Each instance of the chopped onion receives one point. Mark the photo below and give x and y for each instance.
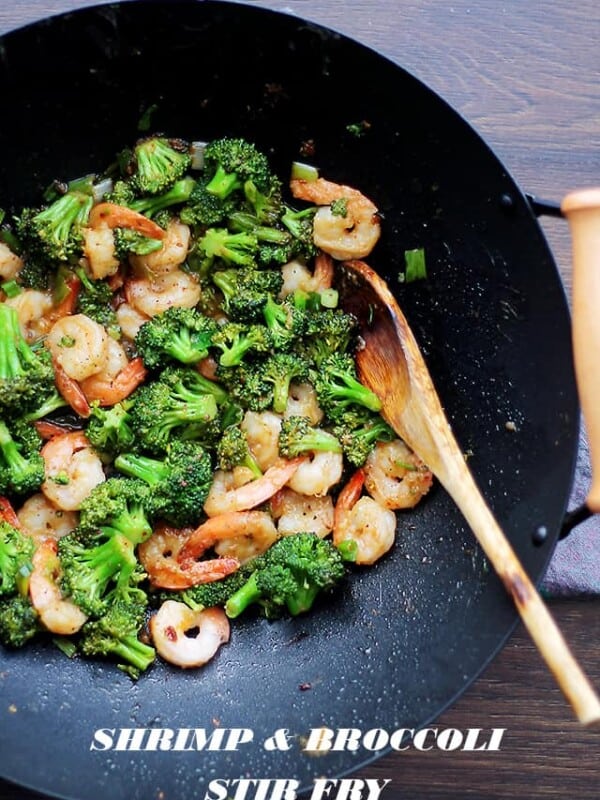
(197, 152)
(101, 188)
(304, 172)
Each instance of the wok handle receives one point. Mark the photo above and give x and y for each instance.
(582, 209)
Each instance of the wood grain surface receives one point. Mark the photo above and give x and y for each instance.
(526, 75)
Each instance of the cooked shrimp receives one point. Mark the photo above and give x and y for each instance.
(172, 254)
(317, 474)
(10, 263)
(159, 557)
(224, 496)
(71, 391)
(7, 513)
(352, 234)
(42, 520)
(78, 345)
(262, 434)
(117, 379)
(296, 513)
(72, 470)
(99, 251)
(188, 638)
(302, 402)
(130, 320)
(395, 476)
(57, 614)
(152, 296)
(31, 307)
(112, 215)
(297, 276)
(241, 535)
(363, 522)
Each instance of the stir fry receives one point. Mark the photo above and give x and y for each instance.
(183, 434)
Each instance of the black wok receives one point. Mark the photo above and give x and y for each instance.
(404, 639)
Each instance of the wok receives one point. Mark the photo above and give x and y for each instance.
(404, 639)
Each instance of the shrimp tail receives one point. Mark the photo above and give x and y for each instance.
(71, 391)
(115, 216)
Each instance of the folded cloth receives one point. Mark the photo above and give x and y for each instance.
(575, 565)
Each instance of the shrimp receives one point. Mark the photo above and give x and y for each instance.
(188, 638)
(57, 614)
(317, 474)
(262, 434)
(241, 535)
(303, 402)
(296, 513)
(172, 254)
(31, 307)
(352, 234)
(10, 263)
(42, 520)
(130, 320)
(72, 470)
(371, 528)
(224, 496)
(159, 557)
(78, 345)
(152, 296)
(117, 380)
(71, 391)
(99, 241)
(395, 477)
(99, 251)
(297, 276)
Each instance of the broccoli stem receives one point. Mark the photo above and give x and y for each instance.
(134, 652)
(150, 470)
(246, 595)
(17, 464)
(223, 183)
(303, 600)
(54, 402)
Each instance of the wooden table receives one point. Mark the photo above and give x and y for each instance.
(527, 76)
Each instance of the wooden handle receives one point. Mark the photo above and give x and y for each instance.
(534, 613)
(582, 209)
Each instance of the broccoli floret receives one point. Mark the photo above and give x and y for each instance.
(338, 387)
(359, 430)
(274, 245)
(298, 436)
(16, 552)
(290, 576)
(234, 340)
(280, 369)
(286, 323)
(326, 332)
(52, 403)
(178, 193)
(179, 484)
(247, 386)
(36, 272)
(116, 507)
(267, 206)
(172, 404)
(94, 299)
(233, 451)
(158, 163)
(204, 208)
(229, 163)
(55, 231)
(116, 634)
(26, 374)
(178, 334)
(22, 469)
(129, 241)
(246, 290)
(219, 244)
(122, 193)
(97, 567)
(300, 225)
(109, 429)
(18, 621)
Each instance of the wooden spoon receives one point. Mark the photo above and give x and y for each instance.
(391, 365)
